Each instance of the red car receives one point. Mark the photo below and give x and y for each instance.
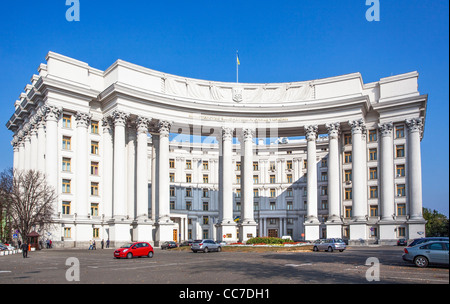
(136, 249)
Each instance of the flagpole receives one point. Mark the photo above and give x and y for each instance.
(237, 68)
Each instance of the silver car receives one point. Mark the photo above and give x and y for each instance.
(329, 245)
(205, 246)
(427, 253)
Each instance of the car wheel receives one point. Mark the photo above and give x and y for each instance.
(421, 261)
(150, 254)
(219, 249)
(330, 249)
(315, 248)
(206, 250)
(341, 250)
(129, 255)
(194, 251)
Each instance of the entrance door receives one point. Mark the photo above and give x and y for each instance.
(273, 232)
(175, 235)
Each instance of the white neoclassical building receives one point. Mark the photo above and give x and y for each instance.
(137, 154)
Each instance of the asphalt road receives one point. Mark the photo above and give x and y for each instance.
(56, 266)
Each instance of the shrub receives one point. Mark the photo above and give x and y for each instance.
(269, 241)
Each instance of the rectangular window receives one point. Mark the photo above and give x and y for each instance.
(399, 132)
(205, 220)
(205, 206)
(94, 127)
(272, 193)
(323, 176)
(188, 178)
(272, 166)
(348, 175)
(205, 178)
(66, 186)
(205, 165)
(67, 233)
(373, 154)
(171, 177)
(172, 191)
(205, 192)
(348, 193)
(273, 206)
(238, 193)
(94, 189)
(373, 191)
(348, 212)
(372, 135)
(67, 121)
(289, 178)
(324, 190)
(401, 209)
(255, 192)
(401, 231)
(94, 209)
(401, 190)
(272, 179)
(347, 139)
(289, 165)
(188, 205)
(66, 164)
(188, 192)
(400, 151)
(238, 166)
(400, 170)
(238, 179)
(171, 163)
(255, 179)
(347, 157)
(255, 166)
(289, 206)
(94, 147)
(289, 192)
(94, 168)
(305, 164)
(205, 233)
(373, 173)
(95, 232)
(373, 210)
(172, 205)
(65, 207)
(188, 164)
(66, 143)
(324, 162)
(324, 204)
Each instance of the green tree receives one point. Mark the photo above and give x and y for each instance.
(437, 223)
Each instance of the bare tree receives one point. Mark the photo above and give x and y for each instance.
(5, 188)
(31, 201)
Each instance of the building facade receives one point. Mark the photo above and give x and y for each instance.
(140, 155)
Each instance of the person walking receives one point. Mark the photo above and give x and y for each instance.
(90, 245)
(25, 250)
(102, 243)
(107, 243)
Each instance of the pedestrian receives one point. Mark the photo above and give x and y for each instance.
(102, 243)
(93, 245)
(25, 250)
(50, 243)
(90, 245)
(107, 243)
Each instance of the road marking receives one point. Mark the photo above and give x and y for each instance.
(4, 271)
(298, 265)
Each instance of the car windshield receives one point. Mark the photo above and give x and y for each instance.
(338, 241)
(198, 241)
(127, 245)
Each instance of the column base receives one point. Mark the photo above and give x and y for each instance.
(312, 231)
(416, 228)
(164, 232)
(358, 233)
(143, 231)
(247, 231)
(226, 232)
(334, 229)
(119, 232)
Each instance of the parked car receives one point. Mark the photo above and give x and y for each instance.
(205, 246)
(329, 245)
(168, 245)
(3, 247)
(402, 242)
(427, 239)
(8, 246)
(423, 254)
(136, 249)
(185, 244)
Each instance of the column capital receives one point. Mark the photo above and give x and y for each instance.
(164, 127)
(247, 134)
(52, 112)
(119, 118)
(142, 124)
(414, 125)
(83, 119)
(333, 129)
(385, 129)
(227, 133)
(106, 124)
(311, 132)
(358, 126)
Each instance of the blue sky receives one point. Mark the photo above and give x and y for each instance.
(278, 41)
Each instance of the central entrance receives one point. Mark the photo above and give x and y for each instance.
(175, 235)
(273, 232)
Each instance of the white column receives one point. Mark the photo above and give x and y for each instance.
(131, 170)
(15, 144)
(415, 128)
(52, 144)
(248, 224)
(27, 147)
(21, 145)
(333, 173)
(141, 168)
(227, 224)
(119, 119)
(311, 221)
(311, 135)
(165, 226)
(34, 147)
(387, 171)
(82, 165)
(358, 171)
(41, 142)
(107, 165)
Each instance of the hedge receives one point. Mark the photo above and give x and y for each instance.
(268, 240)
